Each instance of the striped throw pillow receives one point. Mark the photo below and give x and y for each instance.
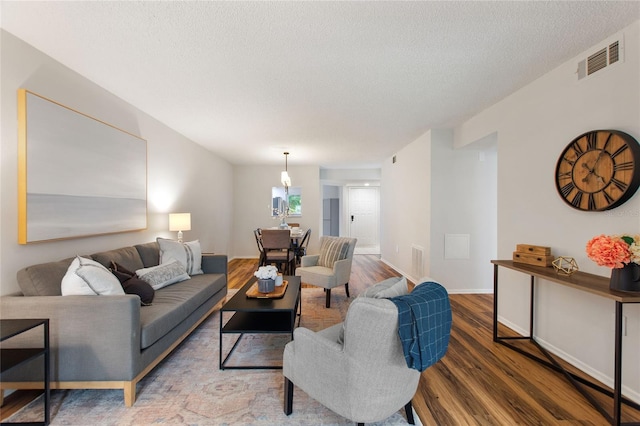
(332, 250)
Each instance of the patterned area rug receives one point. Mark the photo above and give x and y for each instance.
(189, 389)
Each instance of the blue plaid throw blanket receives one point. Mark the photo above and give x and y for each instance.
(424, 324)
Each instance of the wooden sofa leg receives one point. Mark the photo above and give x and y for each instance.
(328, 298)
(346, 289)
(288, 396)
(408, 410)
(129, 393)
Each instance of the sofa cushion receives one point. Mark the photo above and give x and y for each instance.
(86, 277)
(125, 256)
(188, 254)
(149, 253)
(332, 250)
(44, 279)
(174, 303)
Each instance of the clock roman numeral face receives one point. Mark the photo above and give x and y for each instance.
(599, 170)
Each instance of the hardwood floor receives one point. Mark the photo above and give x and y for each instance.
(478, 382)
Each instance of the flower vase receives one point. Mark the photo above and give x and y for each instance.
(284, 224)
(626, 278)
(266, 286)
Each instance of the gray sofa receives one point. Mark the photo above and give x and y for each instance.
(110, 342)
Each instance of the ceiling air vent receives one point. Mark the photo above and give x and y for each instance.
(601, 59)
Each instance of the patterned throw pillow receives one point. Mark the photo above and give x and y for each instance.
(163, 275)
(188, 254)
(332, 250)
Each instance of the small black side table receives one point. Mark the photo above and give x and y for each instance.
(10, 358)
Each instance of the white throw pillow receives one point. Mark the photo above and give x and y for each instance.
(86, 277)
(163, 275)
(188, 254)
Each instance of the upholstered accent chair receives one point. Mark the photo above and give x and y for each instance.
(331, 267)
(359, 368)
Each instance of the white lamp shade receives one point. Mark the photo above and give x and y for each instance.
(179, 221)
(285, 179)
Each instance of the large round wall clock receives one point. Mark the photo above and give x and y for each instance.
(599, 170)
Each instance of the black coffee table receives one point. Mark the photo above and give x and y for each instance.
(259, 316)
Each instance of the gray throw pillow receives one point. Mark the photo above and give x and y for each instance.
(163, 275)
(391, 287)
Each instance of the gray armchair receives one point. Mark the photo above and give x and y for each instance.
(359, 368)
(323, 270)
(364, 379)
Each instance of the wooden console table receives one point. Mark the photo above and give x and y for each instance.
(590, 283)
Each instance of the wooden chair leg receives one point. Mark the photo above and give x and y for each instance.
(288, 396)
(328, 298)
(408, 410)
(346, 288)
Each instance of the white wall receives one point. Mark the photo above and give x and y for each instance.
(533, 126)
(251, 204)
(181, 175)
(464, 204)
(405, 202)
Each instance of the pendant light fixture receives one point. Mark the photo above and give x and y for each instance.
(284, 176)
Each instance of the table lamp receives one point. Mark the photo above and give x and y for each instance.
(180, 222)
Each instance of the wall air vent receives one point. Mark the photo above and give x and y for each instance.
(603, 58)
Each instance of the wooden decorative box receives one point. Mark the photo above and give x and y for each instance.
(526, 248)
(533, 255)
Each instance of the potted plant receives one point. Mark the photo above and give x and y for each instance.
(266, 278)
(620, 253)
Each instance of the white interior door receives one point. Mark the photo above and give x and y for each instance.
(364, 216)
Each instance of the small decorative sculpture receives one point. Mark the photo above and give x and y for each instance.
(565, 265)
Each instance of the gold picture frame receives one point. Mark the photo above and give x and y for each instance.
(77, 176)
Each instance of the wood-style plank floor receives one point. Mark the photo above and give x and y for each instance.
(478, 382)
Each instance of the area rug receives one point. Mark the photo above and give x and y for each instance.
(188, 388)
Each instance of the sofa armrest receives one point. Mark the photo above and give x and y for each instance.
(91, 337)
(214, 263)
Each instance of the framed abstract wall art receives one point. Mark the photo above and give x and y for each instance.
(77, 176)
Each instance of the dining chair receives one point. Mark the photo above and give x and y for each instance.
(258, 234)
(301, 249)
(277, 249)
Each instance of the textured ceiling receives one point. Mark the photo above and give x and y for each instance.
(337, 84)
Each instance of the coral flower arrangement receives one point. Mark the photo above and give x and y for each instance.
(614, 251)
